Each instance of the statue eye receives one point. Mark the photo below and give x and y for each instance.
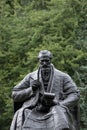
(47, 60)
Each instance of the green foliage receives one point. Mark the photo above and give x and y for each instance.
(26, 27)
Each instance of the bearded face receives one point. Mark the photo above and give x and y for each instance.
(45, 64)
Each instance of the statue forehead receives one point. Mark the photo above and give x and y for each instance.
(45, 54)
(44, 58)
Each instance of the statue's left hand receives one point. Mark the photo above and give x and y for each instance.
(49, 102)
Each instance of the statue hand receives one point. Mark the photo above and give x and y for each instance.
(35, 85)
(49, 102)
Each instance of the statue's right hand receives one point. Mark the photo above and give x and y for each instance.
(35, 85)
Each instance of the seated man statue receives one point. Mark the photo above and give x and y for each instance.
(48, 98)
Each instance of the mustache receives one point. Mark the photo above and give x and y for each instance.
(45, 65)
(46, 69)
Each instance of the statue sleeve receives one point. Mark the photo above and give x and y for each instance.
(22, 91)
(71, 92)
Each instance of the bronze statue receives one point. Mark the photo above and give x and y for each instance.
(46, 99)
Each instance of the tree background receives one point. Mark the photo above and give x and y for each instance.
(28, 26)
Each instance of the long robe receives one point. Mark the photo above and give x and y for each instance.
(58, 117)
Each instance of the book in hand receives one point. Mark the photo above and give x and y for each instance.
(49, 96)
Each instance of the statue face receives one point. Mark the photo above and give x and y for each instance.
(45, 62)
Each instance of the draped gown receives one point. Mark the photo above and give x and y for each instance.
(59, 116)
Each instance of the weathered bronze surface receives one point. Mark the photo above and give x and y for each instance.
(46, 99)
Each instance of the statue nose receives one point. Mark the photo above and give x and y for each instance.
(44, 63)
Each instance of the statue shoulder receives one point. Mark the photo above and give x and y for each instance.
(25, 82)
(33, 75)
(60, 73)
(64, 76)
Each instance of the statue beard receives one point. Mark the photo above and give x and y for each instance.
(45, 73)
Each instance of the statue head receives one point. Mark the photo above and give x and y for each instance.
(45, 53)
(45, 57)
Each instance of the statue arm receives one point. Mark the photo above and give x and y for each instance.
(22, 91)
(71, 92)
